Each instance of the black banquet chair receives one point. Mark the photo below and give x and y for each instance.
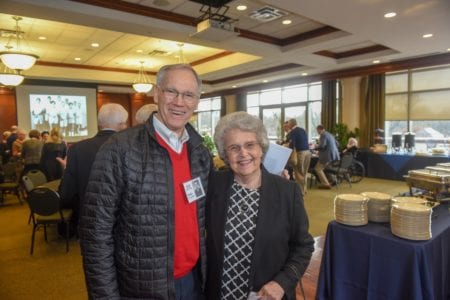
(45, 210)
(9, 182)
(342, 170)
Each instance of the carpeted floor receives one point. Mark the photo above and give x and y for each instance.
(51, 273)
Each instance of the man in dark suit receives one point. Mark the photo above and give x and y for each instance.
(111, 117)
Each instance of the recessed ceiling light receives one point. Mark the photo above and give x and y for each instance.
(448, 49)
(234, 86)
(139, 51)
(286, 22)
(77, 58)
(390, 14)
(376, 61)
(427, 35)
(304, 74)
(241, 7)
(42, 38)
(265, 81)
(95, 45)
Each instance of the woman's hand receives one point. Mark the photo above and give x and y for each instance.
(271, 291)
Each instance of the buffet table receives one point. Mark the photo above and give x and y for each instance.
(368, 262)
(395, 166)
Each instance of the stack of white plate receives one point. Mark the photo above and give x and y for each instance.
(416, 200)
(351, 209)
(379, 206)
(411, 221)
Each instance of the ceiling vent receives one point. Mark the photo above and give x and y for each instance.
(267, 13)
(158, 53)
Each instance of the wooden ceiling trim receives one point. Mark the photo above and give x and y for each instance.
(142, 10)
(309, 35)
(211, 58)
(255, 73)
(353, 52)
(87, 67)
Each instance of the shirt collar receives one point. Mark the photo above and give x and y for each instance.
(170, 137)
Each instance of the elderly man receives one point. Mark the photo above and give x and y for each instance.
(328, 152)
(142, 230)
(298, 142)
(111, 118)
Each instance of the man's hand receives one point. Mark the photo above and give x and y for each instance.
(271, 291)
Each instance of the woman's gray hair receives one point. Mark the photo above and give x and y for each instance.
(243, 121)
(162, 73)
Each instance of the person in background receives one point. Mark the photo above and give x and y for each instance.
(141, 236)
(298, 142)
(111, 118)
(145, 112)
(52, 149)
(31, 151)
(17, 145)
(4, 151)
(12, 137)
(45, 135)
(328, 152)
(247, 251)
(352, 146)
(379, 136)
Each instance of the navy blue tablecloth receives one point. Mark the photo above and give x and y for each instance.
(395, 166)
(368, 262)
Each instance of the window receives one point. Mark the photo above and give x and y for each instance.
(418, 101)
(208, 114)
(302, 102)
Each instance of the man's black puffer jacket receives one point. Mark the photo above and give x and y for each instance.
(127, 219)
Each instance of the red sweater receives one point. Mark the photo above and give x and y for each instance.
(187, 240)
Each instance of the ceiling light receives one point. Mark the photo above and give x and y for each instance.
(17, 59)
(390, 15)
(234, 86)
(304, 74)
(448, 49)
(95, 45)
(265, 81)
(77, 58)
(10, 77)
(142, 83)
(376, 61)
(286, 22)
(139, 51)
(42, 38)
(241, 7)
(427, 35)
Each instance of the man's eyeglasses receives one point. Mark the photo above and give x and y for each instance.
(172, 94)
(249, 146)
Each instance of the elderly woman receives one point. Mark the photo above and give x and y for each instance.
(257, 227)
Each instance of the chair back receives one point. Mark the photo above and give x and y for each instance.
(9, 171)
(37, 177)
(43, 201)
(346, 161)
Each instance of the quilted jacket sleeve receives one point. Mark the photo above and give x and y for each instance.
(98, 216)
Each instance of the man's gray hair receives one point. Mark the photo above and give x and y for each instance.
(144, 113)
(162, 73)
(243, 121)
(111, 115)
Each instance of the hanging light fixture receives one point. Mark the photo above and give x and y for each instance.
(142, 83)
(180, 53)
(17, 59)
(10, 77)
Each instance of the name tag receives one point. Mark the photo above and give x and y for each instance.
(193, 189)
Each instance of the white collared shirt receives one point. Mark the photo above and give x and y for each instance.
(170, 137)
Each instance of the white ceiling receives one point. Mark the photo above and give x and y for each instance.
(71, 26)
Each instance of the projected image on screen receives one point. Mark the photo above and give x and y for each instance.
(66, 112)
